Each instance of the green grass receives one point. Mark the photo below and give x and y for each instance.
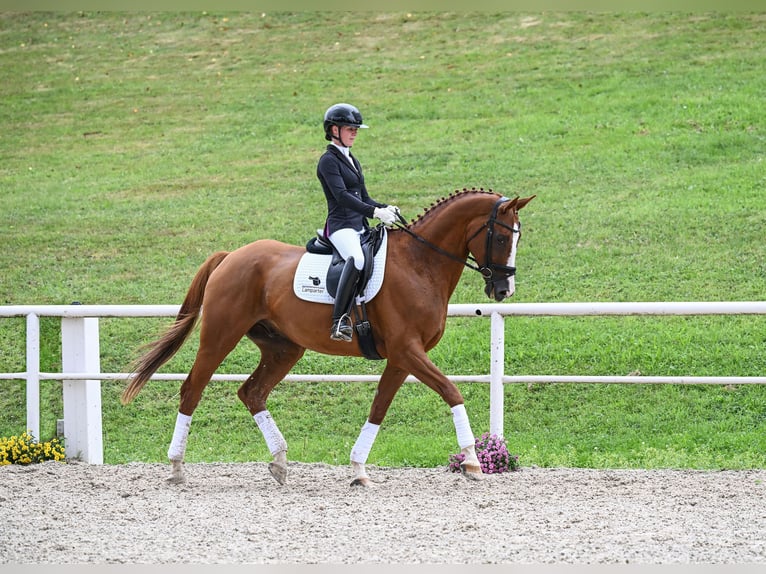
(135, 144)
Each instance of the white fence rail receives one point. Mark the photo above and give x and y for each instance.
(81, 372)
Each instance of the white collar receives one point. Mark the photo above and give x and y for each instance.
(346, 153)
(343, 149)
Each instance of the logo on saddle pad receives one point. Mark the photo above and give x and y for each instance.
(310, 280)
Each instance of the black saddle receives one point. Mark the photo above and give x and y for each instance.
(371, 240)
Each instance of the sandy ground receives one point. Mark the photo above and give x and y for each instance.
(236, 513)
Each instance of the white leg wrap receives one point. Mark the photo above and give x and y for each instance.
(274, 439)
(462, 427)
(364, 442)
(180, 434)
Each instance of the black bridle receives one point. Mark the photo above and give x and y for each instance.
(491, 272)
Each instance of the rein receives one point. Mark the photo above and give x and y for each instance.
(489, 268)
(439, 249)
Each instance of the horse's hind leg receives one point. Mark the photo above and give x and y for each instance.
(215, 344)
(278, 355)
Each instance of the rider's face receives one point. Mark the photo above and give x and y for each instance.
(346, 135)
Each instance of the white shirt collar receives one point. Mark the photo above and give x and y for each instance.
(346, 153)
(344, 150)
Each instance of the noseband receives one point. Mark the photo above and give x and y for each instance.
(491, 272)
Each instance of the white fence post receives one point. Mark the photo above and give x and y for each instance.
(33, 375)
(496, 373)
(80, 353)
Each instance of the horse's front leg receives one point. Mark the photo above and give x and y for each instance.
(361, 451)
(390, 382)
(421, 366)
(470, 467)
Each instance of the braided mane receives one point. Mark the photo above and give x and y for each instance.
(446, 200)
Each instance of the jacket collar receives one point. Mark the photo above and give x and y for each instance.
(339, 153)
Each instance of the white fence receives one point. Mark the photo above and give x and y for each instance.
(81, 376)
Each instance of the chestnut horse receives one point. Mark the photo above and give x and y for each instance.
(248, 292)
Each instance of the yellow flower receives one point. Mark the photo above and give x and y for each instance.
(24, 449)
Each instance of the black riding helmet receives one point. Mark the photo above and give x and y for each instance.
(341, 115)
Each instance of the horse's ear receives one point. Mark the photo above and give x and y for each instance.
(508, 206)
(515, 204)
(522, 202)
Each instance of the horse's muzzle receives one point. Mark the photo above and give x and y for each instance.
(499, 280)
(500, 290)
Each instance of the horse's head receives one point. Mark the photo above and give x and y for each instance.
(495, 251)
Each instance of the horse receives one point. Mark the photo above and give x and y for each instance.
(248, 292)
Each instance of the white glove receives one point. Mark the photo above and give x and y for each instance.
(393, 209)
(385, 215)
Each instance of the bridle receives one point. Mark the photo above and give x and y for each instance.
(491, 272)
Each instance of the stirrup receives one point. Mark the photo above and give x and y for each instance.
(341, 329)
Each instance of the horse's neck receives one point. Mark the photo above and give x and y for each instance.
(446, 225)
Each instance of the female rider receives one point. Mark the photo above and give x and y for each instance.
(348, 206)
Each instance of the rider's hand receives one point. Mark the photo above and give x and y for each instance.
(385, 215)
(393, 209)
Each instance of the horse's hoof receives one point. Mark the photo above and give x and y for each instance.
(362, 481)
(177, 474)
(278, 471)
(471, 471)
(176, 478)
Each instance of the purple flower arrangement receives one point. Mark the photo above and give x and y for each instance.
(493, 456)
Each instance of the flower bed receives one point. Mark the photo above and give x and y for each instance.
(492, 453)
(25, 450)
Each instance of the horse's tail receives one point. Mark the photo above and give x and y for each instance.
(162, 350)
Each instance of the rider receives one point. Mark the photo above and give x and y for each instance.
(348, 206)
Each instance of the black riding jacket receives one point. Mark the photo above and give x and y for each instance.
(348, 203)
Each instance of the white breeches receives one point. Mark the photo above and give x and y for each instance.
(348, 244)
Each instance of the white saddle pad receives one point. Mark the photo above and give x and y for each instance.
(311, 274)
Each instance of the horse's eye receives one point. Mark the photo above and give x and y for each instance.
(501, 239)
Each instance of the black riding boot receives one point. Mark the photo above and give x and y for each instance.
(342, 329)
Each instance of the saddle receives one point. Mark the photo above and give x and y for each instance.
(311, 267)
(371, 242)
